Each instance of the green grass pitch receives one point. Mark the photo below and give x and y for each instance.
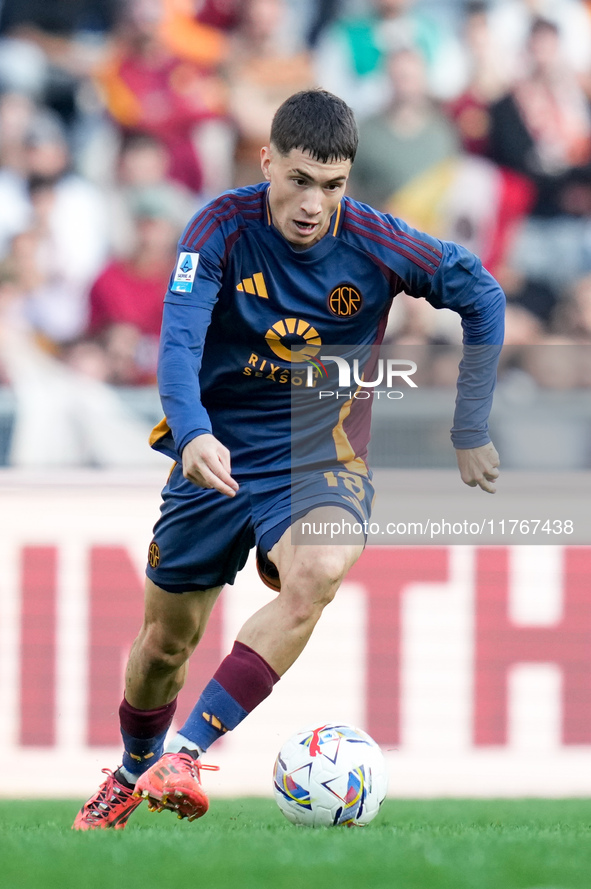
(247, 844)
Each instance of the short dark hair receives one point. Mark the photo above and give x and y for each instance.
(318, 122)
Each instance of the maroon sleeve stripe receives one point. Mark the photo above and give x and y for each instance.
(214, 221)
(405, 236)
(204, 218)
(430, 269)
(425, 250)
(230, 241)
(213, 224)
(197, 237)
(376, 219)
(220, 206)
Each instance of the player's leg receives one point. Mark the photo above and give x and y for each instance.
(266, 646)
(307, 575)
(272, 639)
(200, 542)
(156, 671)
(310, 576)
(173, 625)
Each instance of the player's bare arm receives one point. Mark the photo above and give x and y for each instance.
(479, 466)
(206, 463)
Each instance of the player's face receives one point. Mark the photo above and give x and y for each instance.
(304, 193)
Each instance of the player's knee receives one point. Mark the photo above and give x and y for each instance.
(165, 654)
(313, 584)
(306, 609)
(323, 570)
(162, 661)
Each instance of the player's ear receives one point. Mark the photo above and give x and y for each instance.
(266, 161)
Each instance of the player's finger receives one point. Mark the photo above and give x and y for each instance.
(208, 479)
(226, 476)
(225, 460)
(223, 474)
(223, 488)
(487, 486)
(219, 478)
(201, 475)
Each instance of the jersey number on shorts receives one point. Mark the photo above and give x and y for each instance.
(351, 481)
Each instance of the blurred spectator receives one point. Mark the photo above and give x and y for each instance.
(522, 328)
(469, 200)
(187, 28)
(486, 80)
(141, 175)
(553, 363)
(542, 128)
(126, 299)
(63, 232)
(162, 78)
(47, 48)
(511, 22)
(413, 322)
(351, 56)
(538, 296)
(575, 318)
(16, 115)
(182, 79)
(65, 415)
(406, 139)
(264, 70)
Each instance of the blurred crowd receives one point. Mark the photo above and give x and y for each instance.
(119, 119)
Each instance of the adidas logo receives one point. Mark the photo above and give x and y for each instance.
(255, 285)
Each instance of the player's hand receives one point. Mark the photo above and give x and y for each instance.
(206, 463)
(479, 466)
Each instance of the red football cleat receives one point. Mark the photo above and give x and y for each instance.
(110, 807)
(173, 783)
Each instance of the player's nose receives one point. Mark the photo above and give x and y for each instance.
(312, 202)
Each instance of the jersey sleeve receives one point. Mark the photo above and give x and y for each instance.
(188, 305)
(449, 276)
(461, 283)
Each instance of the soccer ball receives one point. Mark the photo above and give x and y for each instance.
(334, 774)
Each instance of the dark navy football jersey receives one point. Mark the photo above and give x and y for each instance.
(246, 316)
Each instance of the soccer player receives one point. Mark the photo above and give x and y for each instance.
(256, 293)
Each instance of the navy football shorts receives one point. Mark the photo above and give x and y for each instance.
(202, 538)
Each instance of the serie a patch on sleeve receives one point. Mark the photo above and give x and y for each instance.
(184, 274)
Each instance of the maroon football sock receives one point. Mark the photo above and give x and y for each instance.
(241, 682)
(146, 723)
(143, 733)
(246, 676)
